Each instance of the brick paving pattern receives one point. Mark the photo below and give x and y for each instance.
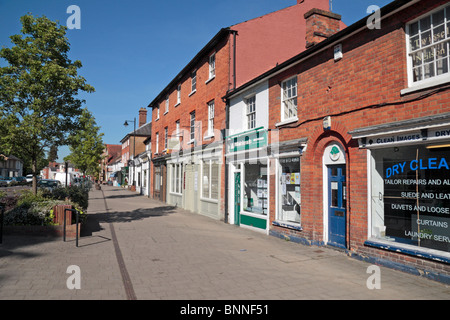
(137, 248)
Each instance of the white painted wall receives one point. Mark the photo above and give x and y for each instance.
(238, 107)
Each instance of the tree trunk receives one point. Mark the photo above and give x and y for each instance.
(33, 169)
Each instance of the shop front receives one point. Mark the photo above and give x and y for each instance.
(286, 159)
(248, 175)
(409, 186)
(159, 178)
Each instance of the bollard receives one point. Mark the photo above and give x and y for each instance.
(76, 221)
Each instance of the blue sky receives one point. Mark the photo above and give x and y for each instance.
(131, 50)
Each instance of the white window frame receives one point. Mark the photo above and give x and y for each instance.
(212, 66)
(166, 137)
(211, 118)
(250, 112)
(210, 163)
(192, 126)
(167, 104)
(287, 99)
(157, 143)
(436, 79)
(178, 95)
(193, 81)
(157, 113)
(176, 179)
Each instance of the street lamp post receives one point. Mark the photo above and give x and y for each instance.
(134, 144)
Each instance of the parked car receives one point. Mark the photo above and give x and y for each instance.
(3, 182)
(19, 180)
(49, 184)
(8, 180)
(29, 178)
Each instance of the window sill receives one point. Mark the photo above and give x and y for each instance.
(177, 104)
(425, 85)
(190, 94)
(288, 121)
(210, 79)
(157, 119)
(408, 249)
(176, 194)
(209, 200)
(208, 137)
(166, 113)
(288, 225)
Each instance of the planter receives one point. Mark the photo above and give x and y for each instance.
(48, 231)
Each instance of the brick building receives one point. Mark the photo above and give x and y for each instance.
(358, 145)
(110, 153)
(189, 115)
(133, 144)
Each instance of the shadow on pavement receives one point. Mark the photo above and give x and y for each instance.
(118, 196)
(94, 221)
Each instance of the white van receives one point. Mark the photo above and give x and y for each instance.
(61, 177)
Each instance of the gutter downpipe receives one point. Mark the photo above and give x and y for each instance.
(227, 124)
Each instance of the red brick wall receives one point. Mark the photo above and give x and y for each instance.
(373, 71)
(205, 92)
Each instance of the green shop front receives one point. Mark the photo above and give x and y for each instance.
(248, 185)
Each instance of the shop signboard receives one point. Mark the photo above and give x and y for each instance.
(248, 140)
(417, 196)
(411, 137)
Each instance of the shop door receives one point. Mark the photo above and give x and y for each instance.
(191, 187)
(237, 198)
(162, 195)
(157, 183)
(337, 206)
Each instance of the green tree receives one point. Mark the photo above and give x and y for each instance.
(39, 107)
(86, 145)
(52, 154)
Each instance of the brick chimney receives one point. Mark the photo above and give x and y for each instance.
(320, 25)
(142, 117)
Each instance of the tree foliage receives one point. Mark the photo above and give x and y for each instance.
(86, 145)
(39, 107)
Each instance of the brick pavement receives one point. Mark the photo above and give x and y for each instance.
(138, 248)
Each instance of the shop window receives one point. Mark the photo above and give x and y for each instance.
(255, 188)
(410, 198)
(144, 179)
(289, 190)
(176, 178)
(210, 180)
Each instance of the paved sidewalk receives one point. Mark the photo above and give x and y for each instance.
(138, 248)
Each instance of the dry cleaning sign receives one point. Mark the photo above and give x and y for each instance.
(417, 199)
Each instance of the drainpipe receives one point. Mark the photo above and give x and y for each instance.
(234, 59)
(224, 149)
(227, 122)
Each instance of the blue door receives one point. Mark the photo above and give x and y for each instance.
(337, 203)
